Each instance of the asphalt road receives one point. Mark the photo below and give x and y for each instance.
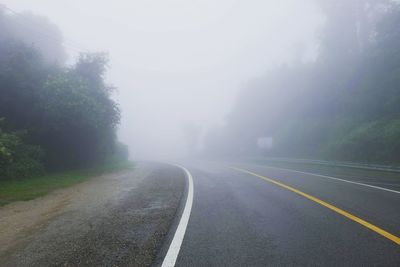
(238, 219)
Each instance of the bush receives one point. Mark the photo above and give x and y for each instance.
(121, 153)
(17, 159)
(300, 138)
(376, 142)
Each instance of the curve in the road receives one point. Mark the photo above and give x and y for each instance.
(175, 246)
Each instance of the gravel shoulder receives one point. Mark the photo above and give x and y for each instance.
(118, 219)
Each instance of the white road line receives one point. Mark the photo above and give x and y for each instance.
(338, 179)
(175, 246)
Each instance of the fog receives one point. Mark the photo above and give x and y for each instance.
(151, 115)
(181, 62)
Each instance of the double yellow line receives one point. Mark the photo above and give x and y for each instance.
(366, 224)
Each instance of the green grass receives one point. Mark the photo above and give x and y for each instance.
(30, 188)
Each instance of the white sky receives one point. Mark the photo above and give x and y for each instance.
(177, 61)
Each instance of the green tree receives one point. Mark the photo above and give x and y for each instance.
(79, 118)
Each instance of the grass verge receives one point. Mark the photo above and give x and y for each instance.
(30, 188)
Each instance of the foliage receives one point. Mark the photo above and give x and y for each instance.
(371, 142)
(120, 154)
(78, 116)
(40, 185)
(343, 106)
(34, 30)
(57, 116)
(18, 160)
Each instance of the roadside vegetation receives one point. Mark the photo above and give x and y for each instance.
(54, 118)
(343, 105)
(36, 186)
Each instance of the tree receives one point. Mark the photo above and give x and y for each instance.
(79, 117)
(343, 106)
(66, 112)
(35, 31)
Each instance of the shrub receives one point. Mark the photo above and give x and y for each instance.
(376, 141)
(121, 152)
(17, 159)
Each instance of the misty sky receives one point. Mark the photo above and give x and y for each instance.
(181, 61)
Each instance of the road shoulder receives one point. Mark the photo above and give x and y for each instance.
(118, 220)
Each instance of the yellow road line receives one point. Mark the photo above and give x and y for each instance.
(370, 226)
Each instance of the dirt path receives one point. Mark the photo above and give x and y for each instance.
(118, 219)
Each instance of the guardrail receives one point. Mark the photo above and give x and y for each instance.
(334, 163)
